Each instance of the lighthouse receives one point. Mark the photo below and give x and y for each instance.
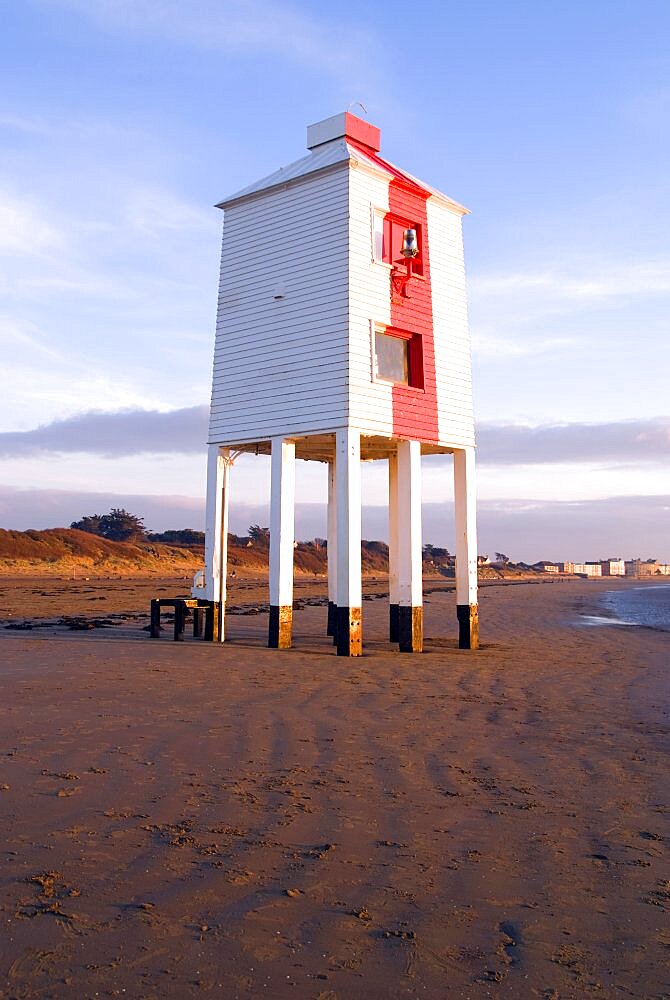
(342, 337)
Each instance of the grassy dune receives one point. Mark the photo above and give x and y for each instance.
(66, 551)
(69, 552)
(60, 551)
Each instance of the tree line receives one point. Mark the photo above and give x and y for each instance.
(119, 525)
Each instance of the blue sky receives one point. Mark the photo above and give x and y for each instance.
(123, 121)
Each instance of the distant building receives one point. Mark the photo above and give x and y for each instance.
(640, 567)
(544, 566)
(646, 567)
(593, 568)
(582, 569)
(609, 567)
(613, 567)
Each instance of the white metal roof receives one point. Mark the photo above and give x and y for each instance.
(327, 155)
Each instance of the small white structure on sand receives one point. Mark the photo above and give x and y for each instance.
(342, 337)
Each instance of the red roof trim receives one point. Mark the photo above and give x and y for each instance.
(405, 180)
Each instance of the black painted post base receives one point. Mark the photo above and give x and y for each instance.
(281, 626)
(468, 626)
(394, 628)
(332, 621)
(410, 629)
(349, 632)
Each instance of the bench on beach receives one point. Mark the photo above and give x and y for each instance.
(205, 617)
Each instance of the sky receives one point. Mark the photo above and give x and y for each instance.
(123, 122)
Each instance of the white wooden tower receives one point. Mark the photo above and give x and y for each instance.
(342, 337)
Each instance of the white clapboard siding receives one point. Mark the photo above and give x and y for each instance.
(280, 365)
(450, 327)
(370, 402)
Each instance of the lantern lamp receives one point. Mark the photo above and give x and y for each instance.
(410, 247)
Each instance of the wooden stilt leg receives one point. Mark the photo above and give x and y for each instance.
(349, 590)
(466, 548)
(212, 620)
(282, 537)
(410, 589)
(468, 626)
(393, 549)
(216, 537)
(331, 628)
(280, 627)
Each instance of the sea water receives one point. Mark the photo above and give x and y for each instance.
(648, 606)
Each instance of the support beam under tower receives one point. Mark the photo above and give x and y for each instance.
(466, 548)
(332, 551)
(282, 538)
(410, 581)
(393, 548)
(349, 588)
(216, 538)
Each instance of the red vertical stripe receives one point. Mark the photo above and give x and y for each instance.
(415, 410)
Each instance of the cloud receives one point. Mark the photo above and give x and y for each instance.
(38, 373)
(627, 527)
(624, 527)
(523, 313)
(23, 123)
(23, 228)
(70, 126)
(255, 26)
(493, 346)
(23, 509)
(582, 282)
(25, 337)
(112, 435)
(184, 431)
(153, 211)
(626, 441)
(73, 252)
(99, 293)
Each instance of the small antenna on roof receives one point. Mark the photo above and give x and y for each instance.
(360, 105)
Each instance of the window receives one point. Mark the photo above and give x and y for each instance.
(378, 234)
(391, 358)
(387, 239)
(398, 356)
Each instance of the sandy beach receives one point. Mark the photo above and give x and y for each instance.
(190, 820)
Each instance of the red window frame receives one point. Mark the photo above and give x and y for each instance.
(394, 227)
(414, 354)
